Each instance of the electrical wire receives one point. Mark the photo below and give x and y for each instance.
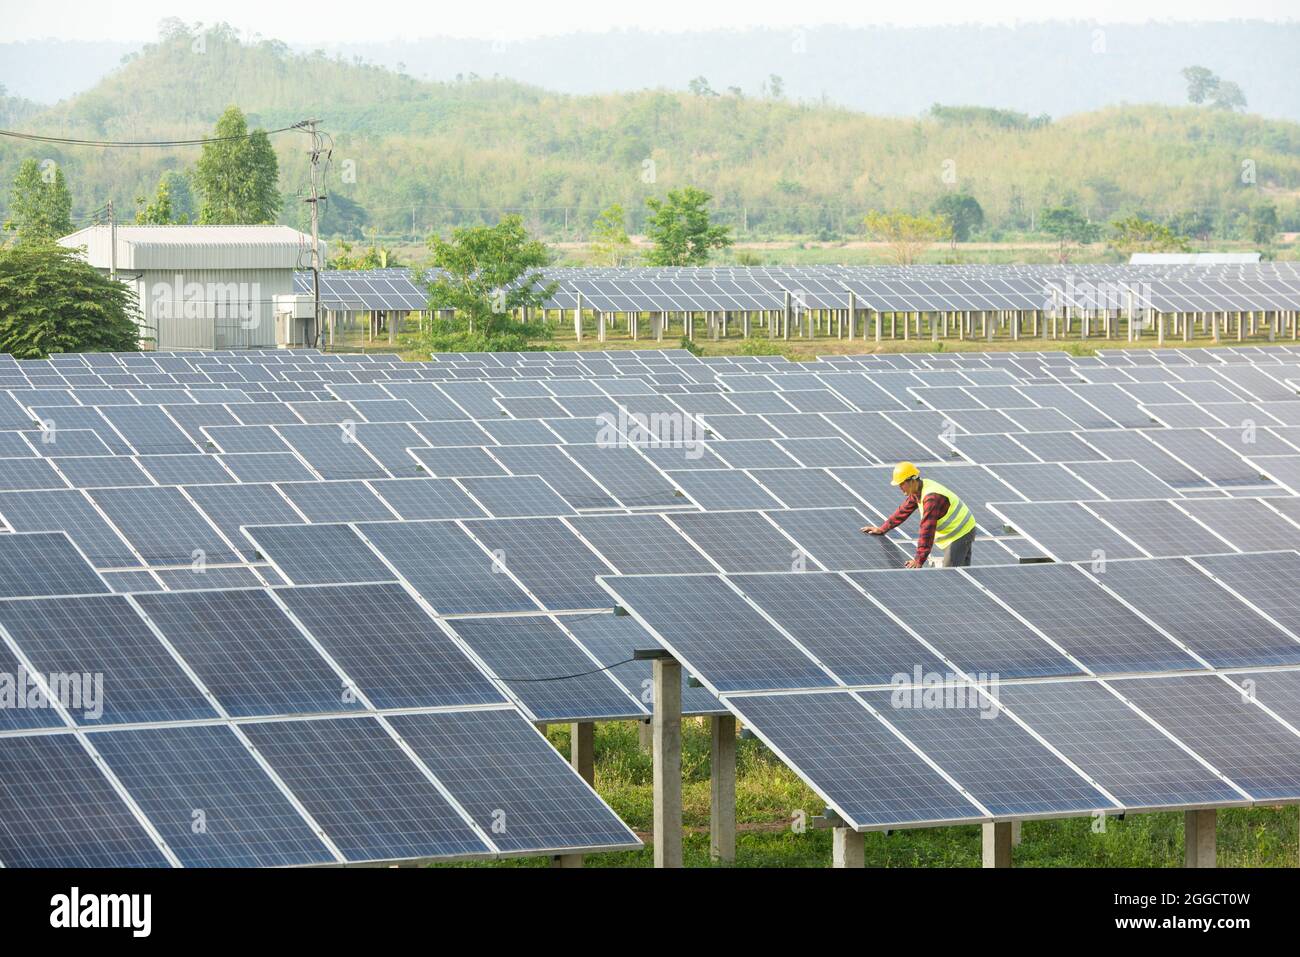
(141, 144)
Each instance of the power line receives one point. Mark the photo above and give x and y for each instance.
(141, 144)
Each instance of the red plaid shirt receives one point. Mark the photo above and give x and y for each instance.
(935, 508)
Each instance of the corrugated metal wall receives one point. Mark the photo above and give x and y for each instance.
(211, 308)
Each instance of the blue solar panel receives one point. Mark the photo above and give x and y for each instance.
(372, 801)
(840, 746)
(210, 800)
(447, 567)
(124, 674)
(389, 646)
(318, 554)
(58, 810)
(512, 781)
(248, 653)
(45, 564)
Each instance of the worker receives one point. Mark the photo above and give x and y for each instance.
(945, 519)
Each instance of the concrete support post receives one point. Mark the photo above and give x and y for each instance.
(1199, 838)
(1015, 833)
(645, 736)
(600, 326)
(848, 848)
(880, 320)
(722, 789)
(667, 690)
(577, 318)
(785, 315)
(853, 316)
(582, 749)
(566, 860)
(997, 844)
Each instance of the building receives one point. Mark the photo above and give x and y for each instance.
(207, 287)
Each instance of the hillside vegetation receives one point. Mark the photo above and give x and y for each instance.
(412, 156)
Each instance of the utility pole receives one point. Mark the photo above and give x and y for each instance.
(112, 242)
(313, 201)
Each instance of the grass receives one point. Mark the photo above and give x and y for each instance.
(769, 795)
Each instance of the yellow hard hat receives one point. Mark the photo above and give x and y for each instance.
(904, 471)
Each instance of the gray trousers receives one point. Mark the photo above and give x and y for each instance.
(958, 553)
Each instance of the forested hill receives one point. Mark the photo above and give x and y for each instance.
(410, 155)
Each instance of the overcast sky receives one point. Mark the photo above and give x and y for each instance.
(338, 21)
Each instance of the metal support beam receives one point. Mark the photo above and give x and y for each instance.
(722, 789)
(848, 848)
(997, 844)
(582, 749)
(667, 690)
(1199, 838)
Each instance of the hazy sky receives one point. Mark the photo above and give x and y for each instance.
(337, 21)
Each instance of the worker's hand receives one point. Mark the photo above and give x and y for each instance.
(873, 529)
(913, 563)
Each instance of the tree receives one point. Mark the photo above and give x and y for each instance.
(484, 273)
(1192, 222)
(1068, 226)
(52, 301)
(610, 243)
(1200, 83)
(775, 86)
(1262, 224)
(237, 175)
(157, 213)
(1228, 96)
(1138, 235)
(373, 256)
(40, 206)
(700, 87)
(907, 236)
(681, 230)
(963, 213)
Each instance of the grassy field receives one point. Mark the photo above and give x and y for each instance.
(769, 795)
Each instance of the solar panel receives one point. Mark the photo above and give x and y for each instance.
(389, 646)
(723, 489)
(1089, 623)
(58, 810)
(1128, 756)
(163, 526)
(248, 653)
(184, 469)
(548, 559)
(1211, 621)
(839, 626)
(208, 797)
(545, 669)
(371, 799)
(716, 633)
(447, 567)
(1159, 527)
(1066, 530)
(949, 611)
(231, 506)
(335, 502)
(45, 564)
(101, 471)
(1224, 726)
(742, 542)
(996, 761)
(318, 554)
(838, 746)
(641, 544)
(507, 496)
(512, 782)
(1266, 580)
(833, 538)
(104, 636)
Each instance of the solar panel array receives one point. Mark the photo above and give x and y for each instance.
(1006, 692)
(346, 505)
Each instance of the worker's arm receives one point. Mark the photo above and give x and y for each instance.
(933, 508)
(898, 518)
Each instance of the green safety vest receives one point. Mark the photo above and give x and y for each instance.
(956, 522)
